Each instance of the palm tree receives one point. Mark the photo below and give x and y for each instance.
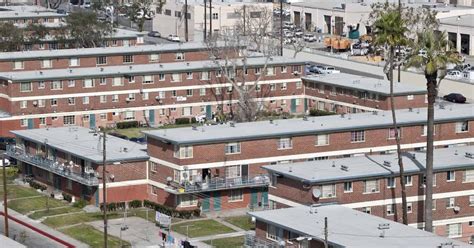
(390, 32)
(431, 54)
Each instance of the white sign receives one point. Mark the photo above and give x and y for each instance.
(181, 98)
(163, 219)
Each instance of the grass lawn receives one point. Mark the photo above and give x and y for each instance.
(227, 242)
(93, 237)
(11, 172)
(17, 191)
(244, 222)
(78, 218)
(26, 205)
(201, 228)
(151, 215)
(43, 213)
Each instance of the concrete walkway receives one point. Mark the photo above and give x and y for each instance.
(225, 223)
(219, 236)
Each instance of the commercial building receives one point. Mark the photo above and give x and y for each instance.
(460, 30)
(187, 161)
(371, 184)
(305, 227)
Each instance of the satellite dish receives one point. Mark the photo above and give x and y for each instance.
(316, 193)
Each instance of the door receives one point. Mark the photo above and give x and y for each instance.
(305, 105)
(151, 117)
(92, 121)
(293, 105)
(308, 21)
(205, 204)
(31, 124)
(253, 198)
(208, 112)
(297, 19)
(265, 198)
(245, 171)
(57, 182)
(217, 200)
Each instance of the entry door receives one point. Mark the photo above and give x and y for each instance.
(297, 18)
(293, 105)
(92, 121)
(205, 203)
(217, 200)
(57, 182)
(265, 198)
(254, 198)
(31, 124)
(208, 112)
(151, 117)
(308, 21)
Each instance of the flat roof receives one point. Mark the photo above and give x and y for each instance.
(465, 21)
(369, 84)
(84, 143)
(117, 33)
(368, 166)
(19, 14)
(84, 52)
(312, 126)
(132, 69)
(10, 243)
(350, 228)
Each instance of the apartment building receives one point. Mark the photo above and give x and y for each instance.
(348, 93)
(70, 160)
(205, 165)
(371, 184)
(101, 96)
(304, 226)
(25, 14)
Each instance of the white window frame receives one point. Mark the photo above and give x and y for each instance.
(408, 180)
(462, 127)
(394, 182)
(322, 140)
(285, 143)
(391, 208)
(358, 136)
(236, 195)
(74, 62)
(448, 176)
(372, 190)
(28, 88)
(351, 188)
(328, 191)
(458, 226)
(232, 148)
(183, 152)
(468, 176)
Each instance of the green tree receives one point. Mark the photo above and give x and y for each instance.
(35, 33)
(83, 29)
(140, 11)
(11, 37)
(431, 54)
(390, 32)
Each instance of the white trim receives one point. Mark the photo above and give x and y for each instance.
(120, 92)
(157, 184)
(444, 222)
(166, 163)
(124, 183)
(283, 201)
(317, 154)
(342, 103)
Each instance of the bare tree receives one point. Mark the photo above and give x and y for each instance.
(297, 46)
(254, 24)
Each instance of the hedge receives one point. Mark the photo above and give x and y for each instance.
(184, 214)
(181, 121)
(135, 204)
(113, 206)
(317, 112)
(38, 185)
(80, 203)
(127, 124)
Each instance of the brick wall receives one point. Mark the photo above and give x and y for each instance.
(124, 171)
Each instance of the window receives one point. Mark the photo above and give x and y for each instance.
(129, 115)
(187, 200)
(69, 120)
(145, 96)
(215, 16)
(42, 121)
(189, 92)
(103, 116)
(232, 148)
(41, 103)
(462, 127)
(272, 87)
(391, 133)
(148, 79)
(25, 87)
(86, 118)
(24, 122)
(161, 77)
(322, 139)
(283, 86)
(71, 83)
(56, 85)
(410, 97)
(103, 98)
(367, 210)
(391, 182)
(17, 65)
(471, 200)
(274, 233)
(391, 209)
(347, 187)
(161, 94)
(285, 143)
(177, 14)
(371, 186)
(153, 166)
(154, 190)
(179, 56)
(189, 75)
(425, 130)
(408, 181)
(358, 136)
(168, 12)
(117, 81)
(283, 69)
(41, 85)
(71, 101)
(257, 71)
(409, 207)
(450, 176)
(23, 104)
(186, 111)
(299, 85)
(74, 62)
(205, 75)
(127, 59)
(173, 93)
(102, 81)
(236, 195)
(101, 60)
(183, 152)
(296, 68)
(202, 91)
(85, 100)
(131, 97)
(328, 191)
(53, 102)
(270, 71)
(154, 57)
(450, 202)
(46, 63)
(175, 77)
(468, 176)
(88, 83)
(454, 230)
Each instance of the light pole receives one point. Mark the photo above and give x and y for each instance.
(104, 190)
(5, 203)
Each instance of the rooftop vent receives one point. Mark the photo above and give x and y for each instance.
(469, 155)
(375, 113)
(102, 69)
(187, 63)
(387, 163)
(41, 73)
(130, 67)
(232, 124)
(410, 109)
(305, 118)
(333, 164)
(125, 149)
(194, 127)
(344, 168)
(290, 169)
(70, 70)
(271, 121)
(161, 66)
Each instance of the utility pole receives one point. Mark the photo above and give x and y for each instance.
(205, 20)
(104, 190)
(210, 18)
(5, 207)
(399, 52)
(186, 20)
(244, 20)
(281, 27)
(326, 232)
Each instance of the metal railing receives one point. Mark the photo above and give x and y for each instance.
(252, 241)
(55, 167)
(221, 183)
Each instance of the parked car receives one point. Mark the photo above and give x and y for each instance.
(454, 74)
(289, 25)
(154, 34)
(298, 32)
(317, 69)
(174, 38)
(329, 70)
(288, 35)
(309, 37)
(455, 97)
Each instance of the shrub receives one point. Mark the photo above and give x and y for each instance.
(317, 112)
(67, 197)
(184, 214)
(127, 124)
(181, 121)
(135, 204)
(193, 120)
(81, 203)
(38, 185)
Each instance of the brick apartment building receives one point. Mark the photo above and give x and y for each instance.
(347, 93)
(69, 159)
(223, 158)
(304, 227)
(371, 184)
(154, 93)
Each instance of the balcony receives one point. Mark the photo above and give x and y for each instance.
(217, 183)
(67, 171)
(252, 241)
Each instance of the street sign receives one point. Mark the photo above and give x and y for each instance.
(163, 219)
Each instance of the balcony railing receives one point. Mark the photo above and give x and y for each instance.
(252, 241)
(87, 178)
(220, 183)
